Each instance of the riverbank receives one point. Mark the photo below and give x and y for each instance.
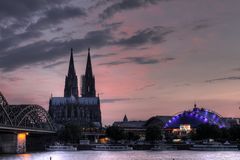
(142, 147)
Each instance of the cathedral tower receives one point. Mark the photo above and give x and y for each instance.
(88, 80)
(82, 110)
(71, 81)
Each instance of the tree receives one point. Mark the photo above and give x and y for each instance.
(169, 136)
(234, 132)
(153, 133)
(131, 136)
(70, 133)
(206, 131)
(225, 134)
(115, 133)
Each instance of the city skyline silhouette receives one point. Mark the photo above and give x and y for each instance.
(150, 57)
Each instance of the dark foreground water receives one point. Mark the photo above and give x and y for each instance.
(128, 155)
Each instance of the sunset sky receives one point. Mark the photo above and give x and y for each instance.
(149, 57)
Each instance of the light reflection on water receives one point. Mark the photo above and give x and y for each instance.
(128, 155)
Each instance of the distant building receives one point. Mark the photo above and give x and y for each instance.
(141, 125)
(125, 119)
(180, 124)
(232, 121)
(137, 127)
(85, 110)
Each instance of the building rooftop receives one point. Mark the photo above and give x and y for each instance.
(72, 100)
(130, 124)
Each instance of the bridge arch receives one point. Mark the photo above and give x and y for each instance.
(33, 116)
(4, 116)
(24, 116)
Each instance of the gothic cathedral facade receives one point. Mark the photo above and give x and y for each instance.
(82, 110)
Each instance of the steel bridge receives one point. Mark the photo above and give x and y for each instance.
(21, 120)
(32, 118)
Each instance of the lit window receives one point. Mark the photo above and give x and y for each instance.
(185, 127)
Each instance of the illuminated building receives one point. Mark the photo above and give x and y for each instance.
(193, 118)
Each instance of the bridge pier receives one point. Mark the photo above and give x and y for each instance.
(8, 143)
(13, 142)
(21, 142)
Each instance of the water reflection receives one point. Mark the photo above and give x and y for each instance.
(25, 156)
(129, 155)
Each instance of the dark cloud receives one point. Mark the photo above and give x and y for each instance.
(99, 3)
(142, 60)
(166, 59)
(122, 5)
(24, 8)
(112, 25)
(201, 24)
(42, 51)
(103, 55)
(146, 86)
(113, 63)
(236, 69)
(17, 31)
(152, 35)
(143, 48)
(54, 64)
(58, 29)
(16, 16)
(223, 79)
(114, 100)
(15, 39)
(6, 32)
(149, 60)
(17, 19)
(138, 60)
(55, 16)
(10, 78)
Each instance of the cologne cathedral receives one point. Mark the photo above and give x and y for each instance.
(82, 110)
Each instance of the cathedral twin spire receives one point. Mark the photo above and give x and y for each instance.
(88, 80)
(71, 81)
(88, 71)
(71, 69)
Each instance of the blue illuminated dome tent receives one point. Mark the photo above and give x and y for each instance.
(194, 118)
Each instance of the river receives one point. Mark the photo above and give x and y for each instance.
(126, 155)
